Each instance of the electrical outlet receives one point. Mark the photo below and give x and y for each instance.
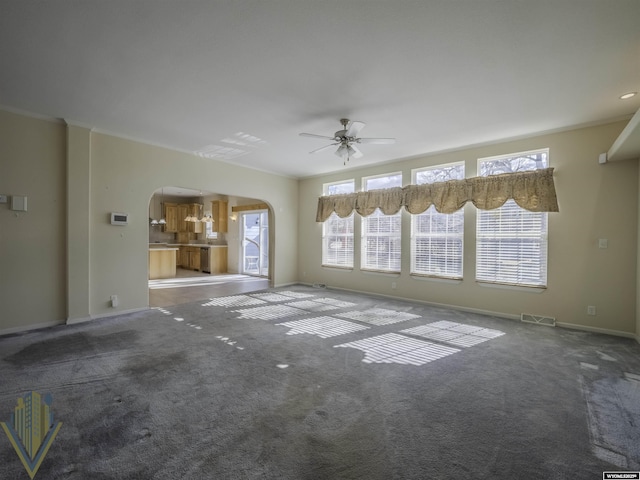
(393, 285)
(591, 310)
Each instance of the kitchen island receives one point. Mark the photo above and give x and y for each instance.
(198, 257)
(162, 262)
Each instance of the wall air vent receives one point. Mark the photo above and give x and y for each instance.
(538, 319)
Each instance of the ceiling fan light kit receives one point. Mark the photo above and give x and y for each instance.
(346, 140)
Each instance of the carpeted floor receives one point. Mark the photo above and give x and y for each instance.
(302, 383)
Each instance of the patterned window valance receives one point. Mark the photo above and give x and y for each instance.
(533, 190)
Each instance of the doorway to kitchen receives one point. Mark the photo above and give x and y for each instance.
(255, 243)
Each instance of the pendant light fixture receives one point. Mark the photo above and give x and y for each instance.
(152, 221)
(162, 220)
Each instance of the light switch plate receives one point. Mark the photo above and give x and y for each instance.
(3, 199)
(19, 203)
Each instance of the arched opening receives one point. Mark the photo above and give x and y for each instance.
(197, 245)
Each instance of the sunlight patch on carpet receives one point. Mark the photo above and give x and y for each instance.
(453, 333)
(335, 303)
(271, 297)
(312, 306)
(395, 348)
(378, 316)
(233, 301)
(323, 327)
(292, 294)
(269, 312)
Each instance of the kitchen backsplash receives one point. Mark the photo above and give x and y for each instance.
(156, 235)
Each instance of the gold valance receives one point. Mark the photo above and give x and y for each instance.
(534, 191)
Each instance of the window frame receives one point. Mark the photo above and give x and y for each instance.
(432, 214)
(348, 223)
(521, 251)
(395, 238)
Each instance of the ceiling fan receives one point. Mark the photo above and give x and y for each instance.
(346, 139)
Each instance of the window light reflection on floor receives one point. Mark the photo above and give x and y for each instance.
(378, 316)
(453, 333)
(395, 348)
(269, 312)
(233, 301)
(312, 306)
(323, 327)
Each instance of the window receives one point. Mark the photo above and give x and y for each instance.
(210, 234)
(337, 233)
(381, 233)
(437, 238)
(511, 243)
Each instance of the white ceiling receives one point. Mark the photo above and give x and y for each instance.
(436, 75)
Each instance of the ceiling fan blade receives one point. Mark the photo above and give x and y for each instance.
(323, 148)
(354, 129)
(355, 153)
(378, 141)
(313, 135)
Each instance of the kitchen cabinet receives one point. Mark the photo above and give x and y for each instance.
(195, 210)
(171, 216)
(183, 211)
(219, 213)
(162, 263)
(218, 259)
(194, 258)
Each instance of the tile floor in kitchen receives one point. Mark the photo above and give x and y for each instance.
(191, 286)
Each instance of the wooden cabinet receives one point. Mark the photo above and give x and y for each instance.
(183, 211)
(218, 259)
(194, 258)
(219, 213)
(171, 216)
(184, 257)
(162, 263)
(189, 258)
(195, 210)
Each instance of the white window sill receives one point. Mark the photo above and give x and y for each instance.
(518, 288)
(432, 278)
(380, 272)
(338, 267)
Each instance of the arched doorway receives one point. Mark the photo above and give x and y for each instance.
(204, 239)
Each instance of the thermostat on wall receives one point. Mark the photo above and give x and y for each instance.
(119, 218)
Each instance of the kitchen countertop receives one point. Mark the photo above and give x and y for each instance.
(163, 249)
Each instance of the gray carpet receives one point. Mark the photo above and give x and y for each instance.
(303, 383)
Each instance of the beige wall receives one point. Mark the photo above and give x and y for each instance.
(596, 201)
(32, 243)
(638, 271)
(123, 176)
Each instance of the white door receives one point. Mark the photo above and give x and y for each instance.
(255, 243)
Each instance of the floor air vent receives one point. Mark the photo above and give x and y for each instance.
(538, 319)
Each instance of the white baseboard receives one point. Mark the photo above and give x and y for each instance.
(480, 311)
(509, 316)
(118, 313)
(606, 331)
(73, 321)
(281, 285)
(26, 328)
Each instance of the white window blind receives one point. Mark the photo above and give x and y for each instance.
(511, 242)
(337, 233)
(437, 238)
(381, 238)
